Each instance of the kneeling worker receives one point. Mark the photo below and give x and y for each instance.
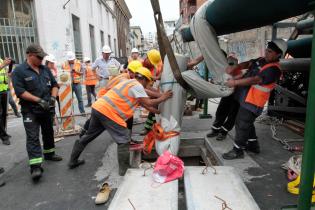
(113, 110)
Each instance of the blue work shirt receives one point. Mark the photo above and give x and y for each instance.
(24, 78)
(101, 66)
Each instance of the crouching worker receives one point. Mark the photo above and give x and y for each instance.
(111, 112)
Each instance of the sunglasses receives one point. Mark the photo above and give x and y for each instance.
(39, 57)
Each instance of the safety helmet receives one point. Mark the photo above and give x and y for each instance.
(106, 49)
(86, 59)
(281, 44)
(51, 58)
(134, 50)
(134, 65)
(154, 56)
(144, 72)
(70, 56)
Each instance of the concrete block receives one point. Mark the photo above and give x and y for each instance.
(201, 189)
(143, 193)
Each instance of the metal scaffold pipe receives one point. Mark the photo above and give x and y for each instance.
(308, 164)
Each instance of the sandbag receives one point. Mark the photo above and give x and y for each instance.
(172, 110)
(203, 89)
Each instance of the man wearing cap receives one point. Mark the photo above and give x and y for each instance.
(111, 111)
(253, 92)
(37, 89)
(103, 64)
(74, 66)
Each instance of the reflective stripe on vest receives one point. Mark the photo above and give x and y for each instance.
(258, 95)
(76, 78)
(116, 104)
(3, 78)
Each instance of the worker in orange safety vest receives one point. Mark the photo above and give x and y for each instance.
(111, 111)
(90, 80)
(74, 66)
(253, 92)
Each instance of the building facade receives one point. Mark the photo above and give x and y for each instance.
(123, 17)
(187, 9)
(58, 26)
(138, 37)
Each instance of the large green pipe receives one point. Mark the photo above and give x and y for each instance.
(308, 162)
(230, 16)
(300, 48)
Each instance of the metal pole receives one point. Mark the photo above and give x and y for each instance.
(205, 114)
(308, 163)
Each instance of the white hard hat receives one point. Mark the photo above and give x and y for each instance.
(106, 49)
(134, 50)
(70, 56)
(281, 44)
(86, 59)
(51, 58)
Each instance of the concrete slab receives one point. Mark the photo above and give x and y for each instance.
(142, 193)
(201, 189)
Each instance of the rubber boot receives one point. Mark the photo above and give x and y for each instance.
(75, 154)
(123, 158)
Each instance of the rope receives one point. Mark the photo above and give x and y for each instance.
(274, 122)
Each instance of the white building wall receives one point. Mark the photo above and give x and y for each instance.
(55, 29)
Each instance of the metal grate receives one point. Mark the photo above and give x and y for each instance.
(15, 35)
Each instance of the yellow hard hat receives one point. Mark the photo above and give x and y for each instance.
(145, 72)
(134, 65)
(154, 56)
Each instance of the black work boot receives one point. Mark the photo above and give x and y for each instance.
(1, 170)
(222, 135)
(123, 158)
(235, 153)
(36, 172)
(253, 146)
(213, 133)
(6, 140)
(75, 154)
(52, 157)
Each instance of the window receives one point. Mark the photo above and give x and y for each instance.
(102, 38)
(100, 12)
(109, 41)
(77, 36)
(92, 39)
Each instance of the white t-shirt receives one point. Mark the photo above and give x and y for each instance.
(137, 91)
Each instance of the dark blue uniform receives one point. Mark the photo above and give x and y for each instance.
(40, 84)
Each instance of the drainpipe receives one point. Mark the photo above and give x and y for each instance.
(308, 162)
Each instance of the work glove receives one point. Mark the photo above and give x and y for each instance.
(44, 104)
(52, 101)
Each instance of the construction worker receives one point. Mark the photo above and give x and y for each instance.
(227, 110)
(90, 80)
(103, 65)
(132, 67)
(50, 62)
(37, 89)
(75, 68)
(4, 81)
(111, 111)
(253, 92)
(135, 55)
(153, 62)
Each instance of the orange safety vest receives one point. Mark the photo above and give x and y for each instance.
(76, 77)
(90, 76)
(113, 82)
(116, 104)
(258, 95)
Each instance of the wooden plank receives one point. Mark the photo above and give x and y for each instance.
(143, 193)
